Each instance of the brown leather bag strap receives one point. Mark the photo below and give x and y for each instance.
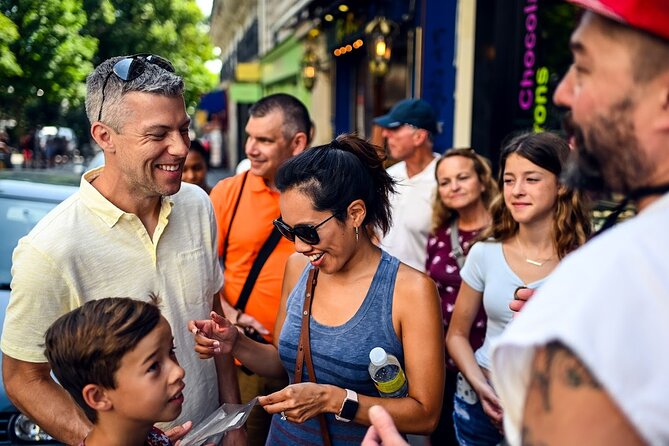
(304, 348)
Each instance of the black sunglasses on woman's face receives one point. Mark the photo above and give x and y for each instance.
(307, 233)
(131, 67)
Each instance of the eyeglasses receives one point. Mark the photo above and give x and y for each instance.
(131, 67)
(307, 233)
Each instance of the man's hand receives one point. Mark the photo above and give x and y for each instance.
(383, 430)
(33, 391)
(520, 297)
(214, 336)
(178, 432)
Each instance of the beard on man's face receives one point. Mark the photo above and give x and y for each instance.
(583, 171)
(606, 156)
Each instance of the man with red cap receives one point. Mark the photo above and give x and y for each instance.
(585, 361)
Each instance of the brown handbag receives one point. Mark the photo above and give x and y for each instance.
(304, 348)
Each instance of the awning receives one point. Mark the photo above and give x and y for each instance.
(213, 102)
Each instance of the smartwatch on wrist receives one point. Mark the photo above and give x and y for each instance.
(349, 407)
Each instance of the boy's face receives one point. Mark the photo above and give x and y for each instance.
(149, 381)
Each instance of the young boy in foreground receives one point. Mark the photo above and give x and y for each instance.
(115, 356)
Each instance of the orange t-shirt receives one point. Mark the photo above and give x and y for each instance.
(251, 227)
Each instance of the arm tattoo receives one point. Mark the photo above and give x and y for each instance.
(555, 366)
(558, 363)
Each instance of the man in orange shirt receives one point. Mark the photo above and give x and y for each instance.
(279, 127)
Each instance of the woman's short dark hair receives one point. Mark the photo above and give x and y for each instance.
(336, 174)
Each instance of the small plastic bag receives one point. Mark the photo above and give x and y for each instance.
(226, 418)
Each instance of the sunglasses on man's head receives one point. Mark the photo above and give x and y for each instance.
(131, 67)
(307, 233)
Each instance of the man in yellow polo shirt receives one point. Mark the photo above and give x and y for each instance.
(278, 128)
(132, 230)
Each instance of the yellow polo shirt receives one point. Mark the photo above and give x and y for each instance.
(87, 248)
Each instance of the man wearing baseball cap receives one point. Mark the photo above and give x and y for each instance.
(408, 130)
(586, 362)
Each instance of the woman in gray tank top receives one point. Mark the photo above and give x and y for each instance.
(334, 199)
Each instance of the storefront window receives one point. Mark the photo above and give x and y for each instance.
(522, 52)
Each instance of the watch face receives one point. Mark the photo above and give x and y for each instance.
(348, 410)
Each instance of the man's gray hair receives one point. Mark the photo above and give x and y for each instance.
(154, 79)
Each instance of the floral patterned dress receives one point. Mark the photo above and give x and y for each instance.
(442, 267)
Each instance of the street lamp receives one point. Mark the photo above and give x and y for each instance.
(379, 33)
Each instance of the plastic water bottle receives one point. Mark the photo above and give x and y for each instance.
(387, 374)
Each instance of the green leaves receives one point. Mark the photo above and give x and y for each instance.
(48, 47)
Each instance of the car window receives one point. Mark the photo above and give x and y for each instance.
(17, 218)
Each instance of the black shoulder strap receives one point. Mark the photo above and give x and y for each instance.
(258, 263)
(224, 254)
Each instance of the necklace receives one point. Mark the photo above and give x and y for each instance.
(538, 262)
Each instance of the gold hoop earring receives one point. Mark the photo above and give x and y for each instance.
(357, 234)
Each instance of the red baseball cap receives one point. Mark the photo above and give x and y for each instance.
(648, 15)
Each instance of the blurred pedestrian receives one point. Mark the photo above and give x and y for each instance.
(133, 228)
(195, 167)
(461, 210)
(5, 151)
(584, 362)
(333, 200)
(27, 146)
(536, 222)
(252, 251)
(408, 129)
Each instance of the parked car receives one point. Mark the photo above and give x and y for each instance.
(25, 197)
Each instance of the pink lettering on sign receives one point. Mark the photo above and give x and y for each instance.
(526, 92)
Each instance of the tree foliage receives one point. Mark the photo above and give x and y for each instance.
(48, 47)
(51, 55)
(174, 29)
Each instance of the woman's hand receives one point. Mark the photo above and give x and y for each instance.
(298, 402)
(491, 405)
(214, 336)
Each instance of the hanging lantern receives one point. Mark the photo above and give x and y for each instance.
(309, 68)
(379, 34)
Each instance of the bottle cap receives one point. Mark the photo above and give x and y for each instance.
(378, 356)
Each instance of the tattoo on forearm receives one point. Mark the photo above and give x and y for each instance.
(558, 363)
(562, 400)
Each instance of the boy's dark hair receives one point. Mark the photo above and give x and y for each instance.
(85, 346)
